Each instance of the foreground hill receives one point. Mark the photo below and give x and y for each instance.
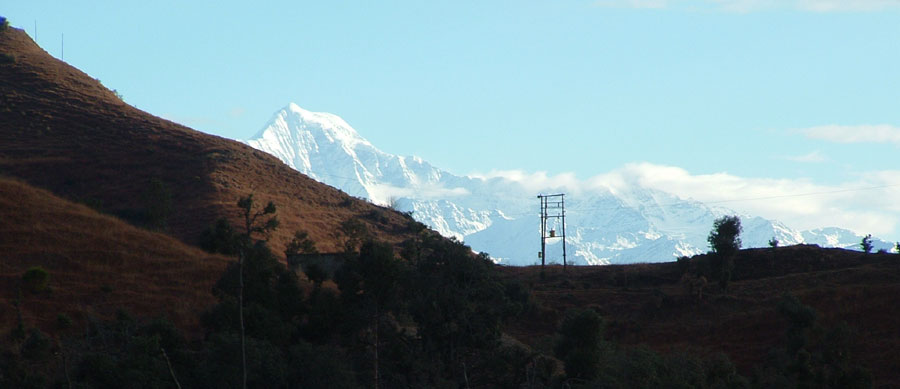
(64, 131)
(650, 304)
(97, 264)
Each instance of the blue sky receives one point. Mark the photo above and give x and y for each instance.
(746, 98)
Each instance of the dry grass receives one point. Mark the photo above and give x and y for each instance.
(65, 132)
(647, 304)
(97, 264)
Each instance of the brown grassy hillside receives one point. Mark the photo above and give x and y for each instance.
(97, 264)
(65, 132)
(646, 303)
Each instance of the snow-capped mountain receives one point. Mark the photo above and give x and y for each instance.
(500, 216)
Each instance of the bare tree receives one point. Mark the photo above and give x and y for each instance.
(252, 225)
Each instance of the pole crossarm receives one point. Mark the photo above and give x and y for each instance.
(553, 206)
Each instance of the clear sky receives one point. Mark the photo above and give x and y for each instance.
(711, 99)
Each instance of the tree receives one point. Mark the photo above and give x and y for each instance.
(866, 244)
(315, 273)
(371, 282)
(458, 303)
(35, 279)
(301, 244)
(813, 355)
(252, 225)
(773, 243)
(220, 238)
(355, 232)
(897, 247)
(580, 345)
(725, 241)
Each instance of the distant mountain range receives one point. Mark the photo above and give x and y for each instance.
(500, 216)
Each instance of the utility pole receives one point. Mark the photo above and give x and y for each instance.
(552, 207)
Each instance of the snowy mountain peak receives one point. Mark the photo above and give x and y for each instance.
(622, 223)
(331, 125)
(323, 146)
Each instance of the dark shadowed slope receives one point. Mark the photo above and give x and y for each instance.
(649, 304)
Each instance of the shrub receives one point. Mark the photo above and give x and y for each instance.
(580, 345)
(63, 321)
(684, 264)
(866, 244)
(315, 273)
(37, 346)
(7, 58)
(220, 238)
(36, 279)
(301, 244)
(4, 24)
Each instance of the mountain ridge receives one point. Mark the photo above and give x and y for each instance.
(609, 225)
(65, 132)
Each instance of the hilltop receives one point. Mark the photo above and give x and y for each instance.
(65, 132)
(650, 304)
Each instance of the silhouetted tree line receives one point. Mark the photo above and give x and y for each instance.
(430, 316)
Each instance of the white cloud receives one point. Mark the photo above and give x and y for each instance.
(535, 182)
(652, 4)
(811, 157)
(868, 204)
(237, 112)
(383, 193)
(847, 5)
(758, 5)
(881, 133)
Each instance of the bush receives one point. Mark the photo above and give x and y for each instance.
(220, 238)
(315, 273)
(301, 244)
(4, 24)
(812, 355)
(866, 244)
(37, 346)
(36, 279)
(63, 321)
(684, 264)
(580, 345)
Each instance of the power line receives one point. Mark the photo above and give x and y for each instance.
(582, 208)
(803, 194)
(577, 208)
